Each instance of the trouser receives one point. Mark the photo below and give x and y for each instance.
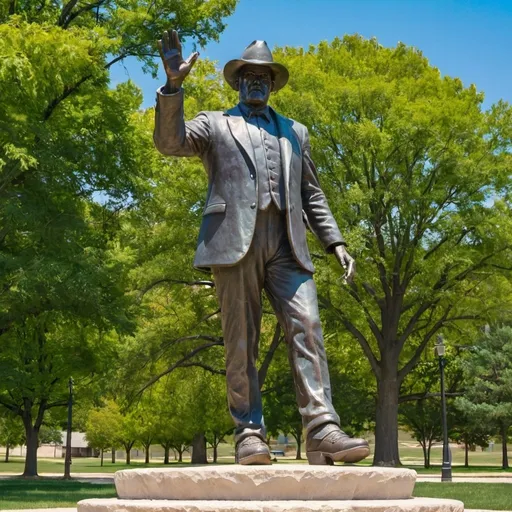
(269, 265)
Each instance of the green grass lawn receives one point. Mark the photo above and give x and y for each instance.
(410, 454)
(18, 493)
(92, 465)
(477, 495)
(80, 465)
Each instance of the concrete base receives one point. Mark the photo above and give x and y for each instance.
(286, 488)
(410, 505)
(265, 483)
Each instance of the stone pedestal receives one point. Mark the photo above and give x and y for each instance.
(283, 488)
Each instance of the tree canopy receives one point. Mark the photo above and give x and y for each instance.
(417, 173)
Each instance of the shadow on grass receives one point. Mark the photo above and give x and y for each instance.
(24, 493)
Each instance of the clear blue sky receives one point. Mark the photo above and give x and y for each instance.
(470, 39)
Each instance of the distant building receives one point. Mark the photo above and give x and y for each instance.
(79, 446)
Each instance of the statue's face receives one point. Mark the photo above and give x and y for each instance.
(255, 85)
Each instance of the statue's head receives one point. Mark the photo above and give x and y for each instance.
(254, 84)
(255, 75)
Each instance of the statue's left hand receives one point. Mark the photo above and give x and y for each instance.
(346, 261)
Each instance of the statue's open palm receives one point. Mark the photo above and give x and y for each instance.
(176, 68)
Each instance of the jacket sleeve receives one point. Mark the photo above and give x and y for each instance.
(175, 137)
(314, 203)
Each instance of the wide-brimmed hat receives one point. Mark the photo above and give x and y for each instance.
(256, 53)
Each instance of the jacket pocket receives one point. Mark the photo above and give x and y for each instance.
(214, 208)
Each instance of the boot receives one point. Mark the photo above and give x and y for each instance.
(328, 444)
(252, 450)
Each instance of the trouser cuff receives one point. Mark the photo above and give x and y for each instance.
(258, 431)
(321, 420)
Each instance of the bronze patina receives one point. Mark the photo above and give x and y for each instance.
(263, 191)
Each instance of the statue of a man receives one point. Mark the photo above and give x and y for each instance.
(263, 187)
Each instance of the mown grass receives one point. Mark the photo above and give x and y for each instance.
(50, 493)
(22, 494)
(474, 496)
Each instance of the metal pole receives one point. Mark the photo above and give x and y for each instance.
(446, 469)
(67, 461)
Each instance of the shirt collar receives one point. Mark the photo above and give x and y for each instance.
(248, 112)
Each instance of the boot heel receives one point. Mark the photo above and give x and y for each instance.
(318, 459)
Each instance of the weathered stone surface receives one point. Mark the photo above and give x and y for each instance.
(287, 482)
(410, 505)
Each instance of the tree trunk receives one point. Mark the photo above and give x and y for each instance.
(298, 439)
(102, 451)
(429, 451)
(113, 455)
(504, 448)
(128, 454)
(180, 455)
(32, 436)
(146, 450)
(425, 454)
(7, 453)
(199, 453)
(166, 454)
(466, 452)
(386, 426)
(215, 446)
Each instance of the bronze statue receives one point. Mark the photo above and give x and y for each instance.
(263, 188)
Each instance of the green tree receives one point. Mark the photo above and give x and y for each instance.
(281, 411)
(471, 434)
(128, 434)
(103, 427)
(177, 309)
(11, 432)
(70, 162)
(146, 423)
(417, 174)
(50, 434)
(216, 417)
(422, 418)
(488, 395)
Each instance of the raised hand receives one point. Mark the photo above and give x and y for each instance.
(176, 68)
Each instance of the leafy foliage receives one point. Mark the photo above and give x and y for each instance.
(488, 396)
(417, 173)
(70, 164)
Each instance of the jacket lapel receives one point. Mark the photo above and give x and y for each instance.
(287, 139)
(238, 128)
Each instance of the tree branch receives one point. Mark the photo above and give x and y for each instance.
(371, 322)
(66, 10)
(421, 396)
(204, 366)
(374, 363)
(178, 364)
(420, 349)
(82, 9)
(173, 281)
(276, 340)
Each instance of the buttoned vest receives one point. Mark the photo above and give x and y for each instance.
(268, 168)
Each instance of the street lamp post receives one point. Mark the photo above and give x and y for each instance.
(446, 469)
(67, 461)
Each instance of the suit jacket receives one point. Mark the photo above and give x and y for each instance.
(221, 140)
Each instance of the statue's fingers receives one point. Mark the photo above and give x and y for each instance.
(351, 270)
(160, 49)
(166, 42)
(176, 40)
(192, 58)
